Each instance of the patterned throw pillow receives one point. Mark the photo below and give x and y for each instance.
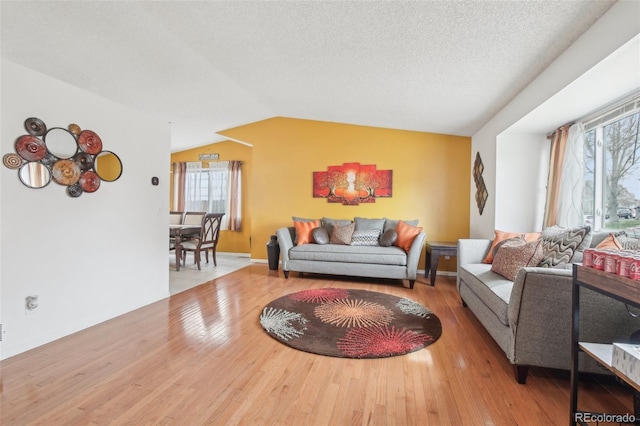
(627, 242)
(329, 223)
(342, 234)
(500, 236)
(631, 244)
(368, 237)
(560, 248)
(514, 255)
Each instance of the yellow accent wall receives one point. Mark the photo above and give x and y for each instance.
(431, 176)
(231, 242)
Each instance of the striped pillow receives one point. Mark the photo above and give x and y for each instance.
(559, 248)
(366, 237)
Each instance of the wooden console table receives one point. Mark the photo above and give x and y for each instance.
(610, 285)
(434, 250)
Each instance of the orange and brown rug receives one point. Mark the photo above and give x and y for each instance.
(349, 323)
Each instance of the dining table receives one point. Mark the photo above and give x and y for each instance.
(177, 232)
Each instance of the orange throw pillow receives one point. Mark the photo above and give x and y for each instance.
(303, 231)
(611, 242)
(406, 235)
(501, 236)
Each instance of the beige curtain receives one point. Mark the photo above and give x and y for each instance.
(558, 147)
(179, 173)
(235, 196)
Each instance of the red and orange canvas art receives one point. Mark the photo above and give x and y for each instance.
(352, 184)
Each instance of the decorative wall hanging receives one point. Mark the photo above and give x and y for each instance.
(352, 183)
(73, 158)
(481, 189)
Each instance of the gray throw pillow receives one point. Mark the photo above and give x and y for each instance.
(320, 235)
(388, 238)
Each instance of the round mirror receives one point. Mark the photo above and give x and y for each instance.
(34, 175)
(108, 166)
(61, 142)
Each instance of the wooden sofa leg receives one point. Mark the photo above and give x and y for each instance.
(521, 372)
(464, 304)
(286, 274)
(411, 283)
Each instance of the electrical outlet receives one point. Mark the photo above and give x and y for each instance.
(30, 304)
(447, 257)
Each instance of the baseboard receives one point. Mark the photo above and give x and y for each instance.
(227, 253)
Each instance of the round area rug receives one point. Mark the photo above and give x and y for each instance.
(350, 323)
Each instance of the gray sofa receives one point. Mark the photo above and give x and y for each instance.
(530, 318)
(350, 260)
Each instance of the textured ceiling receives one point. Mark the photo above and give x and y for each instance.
(434, 66)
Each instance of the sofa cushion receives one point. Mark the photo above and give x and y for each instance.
(320, 235)
(342, 234)
(349, 254)
(363, 224)
(511, 257)
(367, 237)
(493, 289)
(406, 235)
(388, 238)
(500, 236)
(559, 245)
(303, 231)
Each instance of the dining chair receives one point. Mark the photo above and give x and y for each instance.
(208, 239)
(175, 217)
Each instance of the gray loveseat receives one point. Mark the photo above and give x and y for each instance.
(530, 318)
(373, 261)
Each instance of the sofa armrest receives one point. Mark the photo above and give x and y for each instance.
(539, 317)
(413, 255)
(285, 241)
(471, 251)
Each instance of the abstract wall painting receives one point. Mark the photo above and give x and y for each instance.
(352, 184)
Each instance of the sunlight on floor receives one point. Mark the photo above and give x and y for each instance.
(189, 276)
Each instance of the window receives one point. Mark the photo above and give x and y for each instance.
(611, 199)
(209, 189)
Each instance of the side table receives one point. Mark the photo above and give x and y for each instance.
(435, 249)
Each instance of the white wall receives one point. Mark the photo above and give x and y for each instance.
(89, 258)
(619, 25)
(521, 182)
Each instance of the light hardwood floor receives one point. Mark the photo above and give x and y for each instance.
(201, 357)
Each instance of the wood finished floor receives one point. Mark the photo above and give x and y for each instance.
(201, 357)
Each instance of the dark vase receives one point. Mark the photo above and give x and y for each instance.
(273, 253)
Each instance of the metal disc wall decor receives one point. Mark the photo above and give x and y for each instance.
(79, 173)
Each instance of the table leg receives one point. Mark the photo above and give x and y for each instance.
(427, 262)
(178, 251)
(434, 266)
